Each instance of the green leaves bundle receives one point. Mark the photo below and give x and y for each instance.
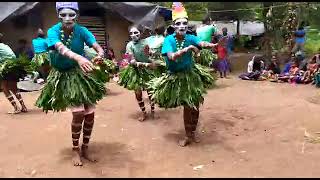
(134, 78)
(206, 57)
(39, 59)
(103, 70)
(206, 76)
(173, 90)
(71, 88)
(20, 67)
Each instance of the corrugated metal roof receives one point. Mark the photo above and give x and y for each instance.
(7, 8)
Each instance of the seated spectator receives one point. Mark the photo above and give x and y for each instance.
(292, 75)
(287, 66)
(255, 68)
(273, 69)
(312, 68)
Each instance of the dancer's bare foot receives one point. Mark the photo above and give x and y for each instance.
(196, 138)
(143, 117)
(85, 154)
(16, 111)
(24, 109)
(76, 158)
(184, 142)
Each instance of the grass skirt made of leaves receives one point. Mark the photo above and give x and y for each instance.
(70, 88)
(177, 89)
(134, 78)
(161, 67)
(206, 58)
(39, 60)
(207, 77)
(14, 69)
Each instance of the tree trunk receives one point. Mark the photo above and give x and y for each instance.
(238, 27)
(267, 48)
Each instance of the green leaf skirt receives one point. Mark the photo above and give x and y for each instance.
(178, 89)
(70, 88)
(13, 69)
(40, 59)
(134, 78)
(207, 77)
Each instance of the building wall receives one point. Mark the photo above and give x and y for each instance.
(12, 34)
(117, 30)
(49, 15)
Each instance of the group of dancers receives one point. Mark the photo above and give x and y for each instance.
(168, 71)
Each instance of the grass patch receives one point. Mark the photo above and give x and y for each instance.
(312, 45)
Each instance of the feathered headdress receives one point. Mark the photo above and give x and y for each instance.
(178, 11)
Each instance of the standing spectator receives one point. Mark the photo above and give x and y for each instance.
(300, 38)
(222, 57)
(229, 45)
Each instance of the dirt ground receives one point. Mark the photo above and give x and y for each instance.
(248, 129)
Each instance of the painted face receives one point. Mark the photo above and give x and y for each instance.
(181, 26)
(68, 17)
(134, 34)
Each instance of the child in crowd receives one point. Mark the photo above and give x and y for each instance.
(222, 57)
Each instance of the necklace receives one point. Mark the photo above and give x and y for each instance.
(67, 42)
(179, 46)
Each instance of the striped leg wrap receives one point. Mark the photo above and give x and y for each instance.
(19, 97)
(11, 100)
(151, 101)
(87, 128)
(76, 127)
(141, 105)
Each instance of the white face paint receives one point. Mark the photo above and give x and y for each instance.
(134, 34)
(181, 26)
(68, 17)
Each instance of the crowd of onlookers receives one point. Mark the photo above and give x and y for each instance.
(297, 69)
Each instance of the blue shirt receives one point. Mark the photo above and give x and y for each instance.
(185, 61)
(39, 45)
(286, 68)
(81, 35)
(301, 34)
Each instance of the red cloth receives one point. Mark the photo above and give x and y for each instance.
(222, 52)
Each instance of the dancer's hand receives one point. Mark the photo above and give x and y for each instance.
(97, 60)
(151, 65)
(85, 65)
(194, 49)
(133, 62)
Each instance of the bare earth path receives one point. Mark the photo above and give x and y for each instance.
(249, 129)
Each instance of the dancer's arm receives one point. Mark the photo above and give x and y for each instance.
(84, 64)
(98, 49)
(204, 44)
